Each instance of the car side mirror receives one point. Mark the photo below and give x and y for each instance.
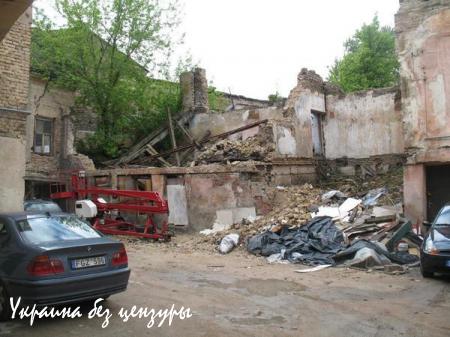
(3, 231)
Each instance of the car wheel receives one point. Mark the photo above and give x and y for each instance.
(5, 310)
(426, 273)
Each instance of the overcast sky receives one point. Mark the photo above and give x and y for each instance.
(257, 47)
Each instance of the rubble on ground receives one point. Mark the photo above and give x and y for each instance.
(227, 150)
(342, 226)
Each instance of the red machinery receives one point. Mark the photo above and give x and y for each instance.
(141, 202)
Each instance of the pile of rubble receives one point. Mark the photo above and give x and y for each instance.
(329, 227)
(359, 185)
(226, 151)
(292, 208)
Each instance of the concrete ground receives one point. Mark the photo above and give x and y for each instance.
(241, 295)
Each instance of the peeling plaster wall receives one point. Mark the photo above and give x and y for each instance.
(223, 122)
(423, 43)
(308, 95)
(54, 104)
(423, 46)
(12, 164)
(364, 124)
(306, 102)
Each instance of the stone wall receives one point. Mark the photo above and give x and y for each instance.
(363, 124)
(14, 85)
(15, 64)
(423, 45)
(194, 90)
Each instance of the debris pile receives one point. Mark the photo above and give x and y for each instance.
(316, 242)
(358, 186)
(227, 150)
(292, 209)
(332, 227)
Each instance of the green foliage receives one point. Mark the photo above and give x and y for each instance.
(275, 98)
(370, 60)
(217, 101)
(106, 52)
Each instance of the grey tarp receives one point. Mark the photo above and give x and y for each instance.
(316, 242)
(400, 258)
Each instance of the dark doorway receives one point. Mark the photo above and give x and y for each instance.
(438, 189)
(37, 190)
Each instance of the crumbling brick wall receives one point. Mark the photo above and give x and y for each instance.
(15, 64)
(14, 83)
(194, 90)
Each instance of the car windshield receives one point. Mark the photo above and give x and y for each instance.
(444, 218)
(55, 228)
(43, 207)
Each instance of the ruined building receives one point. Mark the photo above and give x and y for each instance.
(36, 131)
(423, 43)
(317, 130)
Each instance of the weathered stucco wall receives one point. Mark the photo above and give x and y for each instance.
(12, 169)
(423, 45)
(53, 104)
(307, 96)
(210, 193)
(363, 124)
(218, 123)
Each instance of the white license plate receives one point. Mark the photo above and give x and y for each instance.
(88, 262)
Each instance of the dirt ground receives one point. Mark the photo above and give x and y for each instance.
(241, 295)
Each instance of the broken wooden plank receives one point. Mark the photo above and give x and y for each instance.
(153, 138)
(186, 153)
(153, 151)
(188, 135)
(219, 136)
(380, 219)
(172, 136)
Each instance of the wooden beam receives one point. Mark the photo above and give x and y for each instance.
(188, 135)
(153, 152)
(172, 136)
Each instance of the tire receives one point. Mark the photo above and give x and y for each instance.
(426, 273)
(5, 309)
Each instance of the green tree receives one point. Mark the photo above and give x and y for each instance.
(370, 60)
(106, 51)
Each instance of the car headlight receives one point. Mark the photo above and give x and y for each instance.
(430, 248)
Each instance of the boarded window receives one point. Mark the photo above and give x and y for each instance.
(43, 136)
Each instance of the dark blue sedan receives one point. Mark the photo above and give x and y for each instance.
(49, 259)
(435, 250)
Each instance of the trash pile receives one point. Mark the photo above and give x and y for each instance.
(329, 228)
(227, 150)
(292, 207)
(344, 230)
(358, 185)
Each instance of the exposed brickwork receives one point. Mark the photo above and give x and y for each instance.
(12, 124)
(15, 64)
(194, 89)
